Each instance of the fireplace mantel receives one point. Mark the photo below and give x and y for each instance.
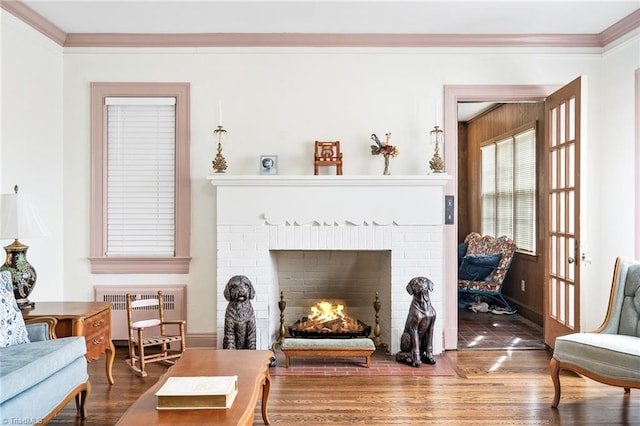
(260, 215)
(330, 199)
(439, 179)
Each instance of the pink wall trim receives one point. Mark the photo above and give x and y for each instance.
(100, 263)
(29, 16)
(620, 28)
(41, 24)
(452, 95)
(637, 155)
(332, 40)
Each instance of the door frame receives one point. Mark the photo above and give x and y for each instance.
(452, 95)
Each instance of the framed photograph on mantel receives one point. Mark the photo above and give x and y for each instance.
(268, 164)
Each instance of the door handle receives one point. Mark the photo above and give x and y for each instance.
(571, 260)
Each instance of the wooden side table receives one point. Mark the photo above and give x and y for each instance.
(92, 320)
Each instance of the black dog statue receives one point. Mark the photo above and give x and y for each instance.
(239, 320)
(416, 343)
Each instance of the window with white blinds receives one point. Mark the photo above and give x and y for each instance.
(508, 189)
(141, 176)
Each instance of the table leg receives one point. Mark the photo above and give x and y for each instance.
(266, 389)
(111, 355)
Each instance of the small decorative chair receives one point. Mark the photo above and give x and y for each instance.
(149, 315)
(327, 154)
(610, 354)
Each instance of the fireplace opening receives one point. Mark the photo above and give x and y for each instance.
(328, 319)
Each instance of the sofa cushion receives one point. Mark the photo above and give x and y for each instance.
(477, 267)
(12, 328)
(613, 356)
(23, 366)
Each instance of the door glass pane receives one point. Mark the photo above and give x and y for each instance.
(572, 119)
(562, 315)
(572, 206)
(562, 170)
(571, 248)
(571, 317)
(563, 111)
(554, 127)
(561, 212)
(554, 169)
(572, 165)
(554, 298)
(553, 213)
(554, 254)
(562, 256)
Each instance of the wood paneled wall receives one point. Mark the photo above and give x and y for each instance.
(497, 122)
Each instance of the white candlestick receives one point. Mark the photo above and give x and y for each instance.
(220, 113)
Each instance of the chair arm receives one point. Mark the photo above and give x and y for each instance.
(41, 328)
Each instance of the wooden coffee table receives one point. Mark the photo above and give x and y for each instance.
(252, 369)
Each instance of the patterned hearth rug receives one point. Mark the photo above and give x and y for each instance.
(381, 365)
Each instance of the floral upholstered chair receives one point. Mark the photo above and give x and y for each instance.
(483, 263)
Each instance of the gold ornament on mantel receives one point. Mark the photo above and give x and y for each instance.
(219, 163)
(436, 164)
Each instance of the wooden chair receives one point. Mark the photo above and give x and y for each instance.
(144, 316)
(327, 154)
(610, 354)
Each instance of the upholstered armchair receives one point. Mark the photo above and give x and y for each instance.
(610, 354)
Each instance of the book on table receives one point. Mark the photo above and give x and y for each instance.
(199, 392)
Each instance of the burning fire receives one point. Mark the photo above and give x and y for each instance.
(329, 318)
(325, 311)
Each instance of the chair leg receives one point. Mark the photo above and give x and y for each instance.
(141, 359)
(555, 377)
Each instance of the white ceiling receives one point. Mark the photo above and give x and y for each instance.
(335, 16)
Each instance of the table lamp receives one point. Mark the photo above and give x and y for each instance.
(19, 219)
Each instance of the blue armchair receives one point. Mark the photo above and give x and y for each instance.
(610, 354)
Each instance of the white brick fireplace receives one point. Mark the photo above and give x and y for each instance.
(400, 217)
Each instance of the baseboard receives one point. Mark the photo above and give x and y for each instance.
(524, 311)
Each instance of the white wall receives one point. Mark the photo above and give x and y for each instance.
(31, 142)
(278, 101)
(610, 176)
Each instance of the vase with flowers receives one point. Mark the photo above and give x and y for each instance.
(385, 149)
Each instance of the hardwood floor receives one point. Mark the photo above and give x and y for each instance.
(492, 387)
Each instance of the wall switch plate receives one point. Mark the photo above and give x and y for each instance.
(448, 209)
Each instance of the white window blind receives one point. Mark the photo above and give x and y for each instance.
(508, 189)
(488, 194)
(141, 140)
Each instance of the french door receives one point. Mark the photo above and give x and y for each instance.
(562, 269)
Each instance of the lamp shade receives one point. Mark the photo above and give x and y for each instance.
(19, 218)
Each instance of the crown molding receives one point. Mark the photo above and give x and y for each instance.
(332, 40)
(35, 20)
(32, 18)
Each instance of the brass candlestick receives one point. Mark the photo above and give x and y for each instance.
(283, 331)
(436, 164)
(377, 341)
(219, 164)
(376, 328)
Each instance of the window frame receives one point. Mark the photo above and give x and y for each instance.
(494, 141)
(100, 263)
